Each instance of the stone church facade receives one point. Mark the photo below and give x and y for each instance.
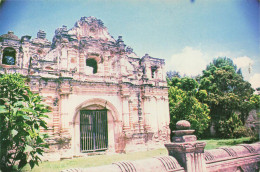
(101, 94)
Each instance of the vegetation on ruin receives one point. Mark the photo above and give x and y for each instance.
(220, 92)
(22, 115)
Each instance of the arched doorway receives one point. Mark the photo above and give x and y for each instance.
(90, 108)
(93, 130)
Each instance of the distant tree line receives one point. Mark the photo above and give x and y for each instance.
(220, 97)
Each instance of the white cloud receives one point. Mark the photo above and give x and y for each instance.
(243, 62)
(246, 64)
(255, 80)
(189, 61)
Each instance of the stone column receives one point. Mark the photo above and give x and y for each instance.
(186, 149)
(147, 113)
(126, 112)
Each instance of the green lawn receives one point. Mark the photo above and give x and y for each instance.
(91, 161)
(98, 160)
(215, 143)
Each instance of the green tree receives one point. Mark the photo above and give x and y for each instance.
(170, 74)
(227, 91)
(21, 116)
(184, 105)
(229, 126)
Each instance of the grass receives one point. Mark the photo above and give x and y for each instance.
(92, 161)
(215, 143)
(99, 160)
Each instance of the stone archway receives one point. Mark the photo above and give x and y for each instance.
(112, 122)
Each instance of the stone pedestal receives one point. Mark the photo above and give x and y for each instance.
(187, 150)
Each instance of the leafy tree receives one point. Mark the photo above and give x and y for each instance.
(234, 128)
(170, 74)
(227, 91)
(229, 126)
(21, 116)
(185, 106)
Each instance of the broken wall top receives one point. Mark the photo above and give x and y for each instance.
(85, 49)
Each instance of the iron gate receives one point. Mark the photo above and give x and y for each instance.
(93, 130)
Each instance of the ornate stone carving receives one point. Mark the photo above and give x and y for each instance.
(85, 63)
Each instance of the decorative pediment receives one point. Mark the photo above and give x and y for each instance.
(90, 27)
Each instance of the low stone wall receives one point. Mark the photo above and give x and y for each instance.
(188, 155)
(156, 164)
(240, 158)
(244, 157)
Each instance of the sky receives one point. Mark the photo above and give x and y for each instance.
(188, 34)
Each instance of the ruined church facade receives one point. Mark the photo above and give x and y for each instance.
(103, 97)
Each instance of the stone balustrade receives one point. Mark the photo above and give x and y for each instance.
(188, 155)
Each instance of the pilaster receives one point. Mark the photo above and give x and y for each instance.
(126, 122)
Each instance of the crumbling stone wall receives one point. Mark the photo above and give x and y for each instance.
(86, 68)
(244, 157)
(186, 154)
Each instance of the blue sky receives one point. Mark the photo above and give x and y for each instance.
(187, 34)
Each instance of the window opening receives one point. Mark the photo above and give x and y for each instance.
(9, 56)
(92, 63)
(153, 69)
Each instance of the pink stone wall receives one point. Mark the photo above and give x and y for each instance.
(86, 68)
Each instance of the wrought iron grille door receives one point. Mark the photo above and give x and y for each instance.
(93, 130)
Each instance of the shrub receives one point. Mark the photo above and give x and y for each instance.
(232, 128)
(242, 131)
(21, 116)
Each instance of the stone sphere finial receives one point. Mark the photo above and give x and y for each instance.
(183, 125)
(183, 128)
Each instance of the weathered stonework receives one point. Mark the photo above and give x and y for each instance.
(186, 149)
(84, 68)
(190, 156)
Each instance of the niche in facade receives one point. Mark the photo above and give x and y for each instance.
(92, 63)
(153, 71)
(9, 56)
